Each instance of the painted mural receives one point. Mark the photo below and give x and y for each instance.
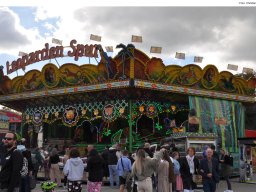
(120, 68)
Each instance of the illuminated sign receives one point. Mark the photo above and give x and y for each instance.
(78, 50)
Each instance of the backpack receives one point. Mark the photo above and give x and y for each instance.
(24, 169)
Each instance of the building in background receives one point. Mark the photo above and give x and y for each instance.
(9, 120)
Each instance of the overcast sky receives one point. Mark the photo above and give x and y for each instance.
(222, 35)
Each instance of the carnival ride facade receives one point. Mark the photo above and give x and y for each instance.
(128, 99)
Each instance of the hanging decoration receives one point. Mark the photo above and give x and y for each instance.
(141, 108)
(96, 112)
(56, 114)
(84, 112)
(158, 127)
(70, 116)
(121, 111)
(37, 118)
(108, 112)
(151, 111)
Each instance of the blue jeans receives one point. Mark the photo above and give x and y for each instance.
(209, 185)
(113, 174)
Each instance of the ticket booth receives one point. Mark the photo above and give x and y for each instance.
(199, 141)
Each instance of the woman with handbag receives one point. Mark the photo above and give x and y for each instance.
(188, 167)
(74, 170)
(95, 166)
(124, 167)
(144, 167)
(54, 167)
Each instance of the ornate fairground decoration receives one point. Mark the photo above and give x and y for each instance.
(37, 118)
(108, 112)
(151, 111)
(50, 75)
(70, 116)
(210, 77)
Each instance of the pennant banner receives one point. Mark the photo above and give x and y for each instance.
(56, 41)
(95, 37)
(198, 59)
(156, 50)
(109, 48)
(137, 39)
(232, 67)
(180, 55)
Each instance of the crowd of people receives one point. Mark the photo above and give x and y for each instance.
(146, 170)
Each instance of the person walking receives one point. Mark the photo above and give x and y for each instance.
(209, 169)
(226, 167)
(143, 168)
(10, 176)
(165, 174)
(74, 170)
(95, 166)
(54, 167)
(25, 181)
(112, 166)
(123, 166)
(178, 186)
(188, 166)
(104, 155)
(65, 158)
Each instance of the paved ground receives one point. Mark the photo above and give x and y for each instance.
(237, 187)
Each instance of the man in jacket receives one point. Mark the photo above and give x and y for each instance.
(123, 167)
(10, 174)
(209, 169)
(112, 165)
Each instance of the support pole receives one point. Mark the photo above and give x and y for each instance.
(130, 125)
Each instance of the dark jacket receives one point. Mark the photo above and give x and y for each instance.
(112, 158)
(95, 165)
(204, 170)
(10, 174)
(54, 159)
(185, 172)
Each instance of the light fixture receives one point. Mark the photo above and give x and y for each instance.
(121, 110)
(141, 108)
(84, 111)
(96, 112)
(173, 108)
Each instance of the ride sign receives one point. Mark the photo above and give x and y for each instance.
(78, 50)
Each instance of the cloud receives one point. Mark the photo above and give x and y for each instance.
(221, 35)
(12, 33)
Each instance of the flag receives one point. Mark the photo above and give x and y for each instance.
(232, 67)
(180, 55)
(247, 70)
(56, 41)
(95, 37)
(198, 59)
(22, 53)
(109, 48)
(137, 39)
(155, 49)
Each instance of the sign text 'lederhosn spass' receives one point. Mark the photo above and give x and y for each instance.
(77, 50)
